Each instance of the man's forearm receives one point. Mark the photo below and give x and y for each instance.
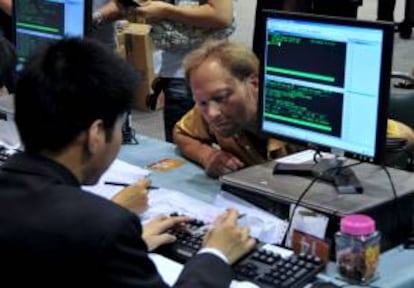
(214, 14)
(193, 149)
(109, 12)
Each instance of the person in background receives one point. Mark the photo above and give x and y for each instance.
(69, 110)
(219, 133)
(106, 12)
(178, 27)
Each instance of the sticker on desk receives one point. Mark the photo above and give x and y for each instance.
(166, 164)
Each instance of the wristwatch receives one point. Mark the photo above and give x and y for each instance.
(97, 18)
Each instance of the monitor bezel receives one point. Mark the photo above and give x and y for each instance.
(87, 19)
(385, 76)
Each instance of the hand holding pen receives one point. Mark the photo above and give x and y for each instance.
(134, 196)
(206, 227)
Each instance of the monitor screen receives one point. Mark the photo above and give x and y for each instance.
(324, 81)
(39, 22)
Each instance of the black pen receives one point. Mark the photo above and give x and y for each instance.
(126, 184)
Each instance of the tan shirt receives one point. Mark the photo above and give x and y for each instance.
(249, 147)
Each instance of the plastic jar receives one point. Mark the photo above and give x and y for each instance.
(357, 248)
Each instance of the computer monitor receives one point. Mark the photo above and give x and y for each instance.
(39, 22)
(325, 81)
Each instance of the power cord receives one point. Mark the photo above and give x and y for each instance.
(394, 193)
(298, 201)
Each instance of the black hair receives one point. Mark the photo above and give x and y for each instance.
(8, 61)
(64, 88)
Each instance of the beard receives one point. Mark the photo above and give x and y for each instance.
(227, 130)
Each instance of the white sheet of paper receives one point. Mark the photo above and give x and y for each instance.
(301, 157)
(170, 270)
(119, 171)
(166, 201)
(263, 225)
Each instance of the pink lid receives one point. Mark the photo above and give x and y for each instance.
(357, 225)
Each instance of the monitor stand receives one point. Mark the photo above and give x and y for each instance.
(327, 169)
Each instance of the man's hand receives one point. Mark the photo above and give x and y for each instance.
(134, 197)
(153, 10)
(226, 236)
(154, 232)
(220, 162)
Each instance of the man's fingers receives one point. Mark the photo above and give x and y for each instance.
(142, 183)
(229, 216)
(168, 222)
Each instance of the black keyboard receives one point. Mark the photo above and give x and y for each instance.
(266, 266)
(186, 245)
(272, 266)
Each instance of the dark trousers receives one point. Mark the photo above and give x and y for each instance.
(385, 10)
(178, 101)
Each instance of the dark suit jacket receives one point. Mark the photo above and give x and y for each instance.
(53, 234)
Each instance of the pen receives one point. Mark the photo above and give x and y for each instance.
(241, 216)
(203, 229)
(126, 184)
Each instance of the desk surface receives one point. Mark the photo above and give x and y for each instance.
(396, 267)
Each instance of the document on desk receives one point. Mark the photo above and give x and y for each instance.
(301, 157)
(263, 226)
(166, 201)
(170, 270)
(119, 171)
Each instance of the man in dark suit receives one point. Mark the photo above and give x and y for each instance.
(70, 103)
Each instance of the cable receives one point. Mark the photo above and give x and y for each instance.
(316, 155)
(306, 191)
(394, 192)
(294, 208)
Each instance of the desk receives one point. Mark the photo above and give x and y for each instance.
(396, 267)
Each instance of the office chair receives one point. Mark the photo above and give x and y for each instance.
(401, 107)
(401, 104)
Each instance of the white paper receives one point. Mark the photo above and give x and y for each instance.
(307, 221)
(170, 270)
(263, 225)
(301, 157)
(167, 268)
(121, 172)
(166, 201)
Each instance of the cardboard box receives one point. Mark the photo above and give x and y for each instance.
(139, 53)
